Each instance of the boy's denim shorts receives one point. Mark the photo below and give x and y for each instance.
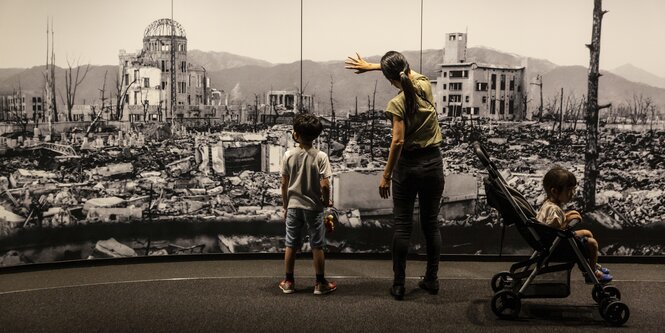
(296, 218)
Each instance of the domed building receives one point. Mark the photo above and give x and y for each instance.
(145, 78)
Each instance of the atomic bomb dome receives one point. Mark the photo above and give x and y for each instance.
(162, 27)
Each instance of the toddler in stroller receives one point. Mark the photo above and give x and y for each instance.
(556, 251)
(560, 184)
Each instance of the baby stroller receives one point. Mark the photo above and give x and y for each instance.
(526, 279)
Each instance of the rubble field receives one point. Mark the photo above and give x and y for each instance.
(157, 176)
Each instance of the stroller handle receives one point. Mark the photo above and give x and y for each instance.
(481, 153)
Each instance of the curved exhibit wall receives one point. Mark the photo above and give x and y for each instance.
(136, 166)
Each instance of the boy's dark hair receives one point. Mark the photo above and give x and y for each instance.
(559, 179)
(307, 126)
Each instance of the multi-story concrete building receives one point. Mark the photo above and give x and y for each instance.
(26, 104)
(483, 90)
(199, 91)
(146, 78)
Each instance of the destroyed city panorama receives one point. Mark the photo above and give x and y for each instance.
(163, 155)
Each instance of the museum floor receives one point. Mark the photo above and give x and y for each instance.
(242, 296)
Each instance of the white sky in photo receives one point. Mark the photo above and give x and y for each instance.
(94, 30)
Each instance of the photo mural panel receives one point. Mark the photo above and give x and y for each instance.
(132, 165)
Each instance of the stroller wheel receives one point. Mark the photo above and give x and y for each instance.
(506, 304)
(599, 293)
(616, 313)
(500, 281)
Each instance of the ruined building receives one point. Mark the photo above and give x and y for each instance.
(145, 78)
(26, 104)
(485, 90)
(283, 105)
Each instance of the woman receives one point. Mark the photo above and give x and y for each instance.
(414, 166)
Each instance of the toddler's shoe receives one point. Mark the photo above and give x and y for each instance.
(603, 278)
(606, 278)
(604, 270)
(288, 287)
(324, 288)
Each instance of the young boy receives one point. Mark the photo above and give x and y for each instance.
(305, 193)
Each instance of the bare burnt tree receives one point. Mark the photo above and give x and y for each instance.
(561, 113)
(50, 73)
(371, 130)
(551, 110)
(97, 115)
(551, 106)
(579, 107)
(17, 113)
(525, 104)
(653, 109)
(571, 111)
(256, 110)
(122, 85)
(371, 142)
(621, 113)
(540, 107)
(591, 151)
(72, 82)
(639, 107)
(332, 113)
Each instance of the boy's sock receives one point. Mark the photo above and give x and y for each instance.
(320, 278)
(289, 277)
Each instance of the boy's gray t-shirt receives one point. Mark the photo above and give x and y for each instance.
(305, 169)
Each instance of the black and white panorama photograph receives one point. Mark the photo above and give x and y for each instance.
(159, 127)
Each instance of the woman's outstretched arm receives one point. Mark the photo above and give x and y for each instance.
(360, 65)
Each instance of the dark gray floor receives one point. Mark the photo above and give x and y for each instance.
(242, 296)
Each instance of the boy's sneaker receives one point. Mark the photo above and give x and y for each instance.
(287, 287)
(324, 288)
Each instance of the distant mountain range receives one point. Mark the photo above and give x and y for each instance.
(256, 77)
(613, 88)
(636, 74)
(215, 61)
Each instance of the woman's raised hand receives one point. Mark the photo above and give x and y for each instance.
(359, 64)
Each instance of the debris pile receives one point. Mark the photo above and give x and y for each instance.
(124, 177)
(631, 164)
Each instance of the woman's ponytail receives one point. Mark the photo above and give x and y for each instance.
(409, 91)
